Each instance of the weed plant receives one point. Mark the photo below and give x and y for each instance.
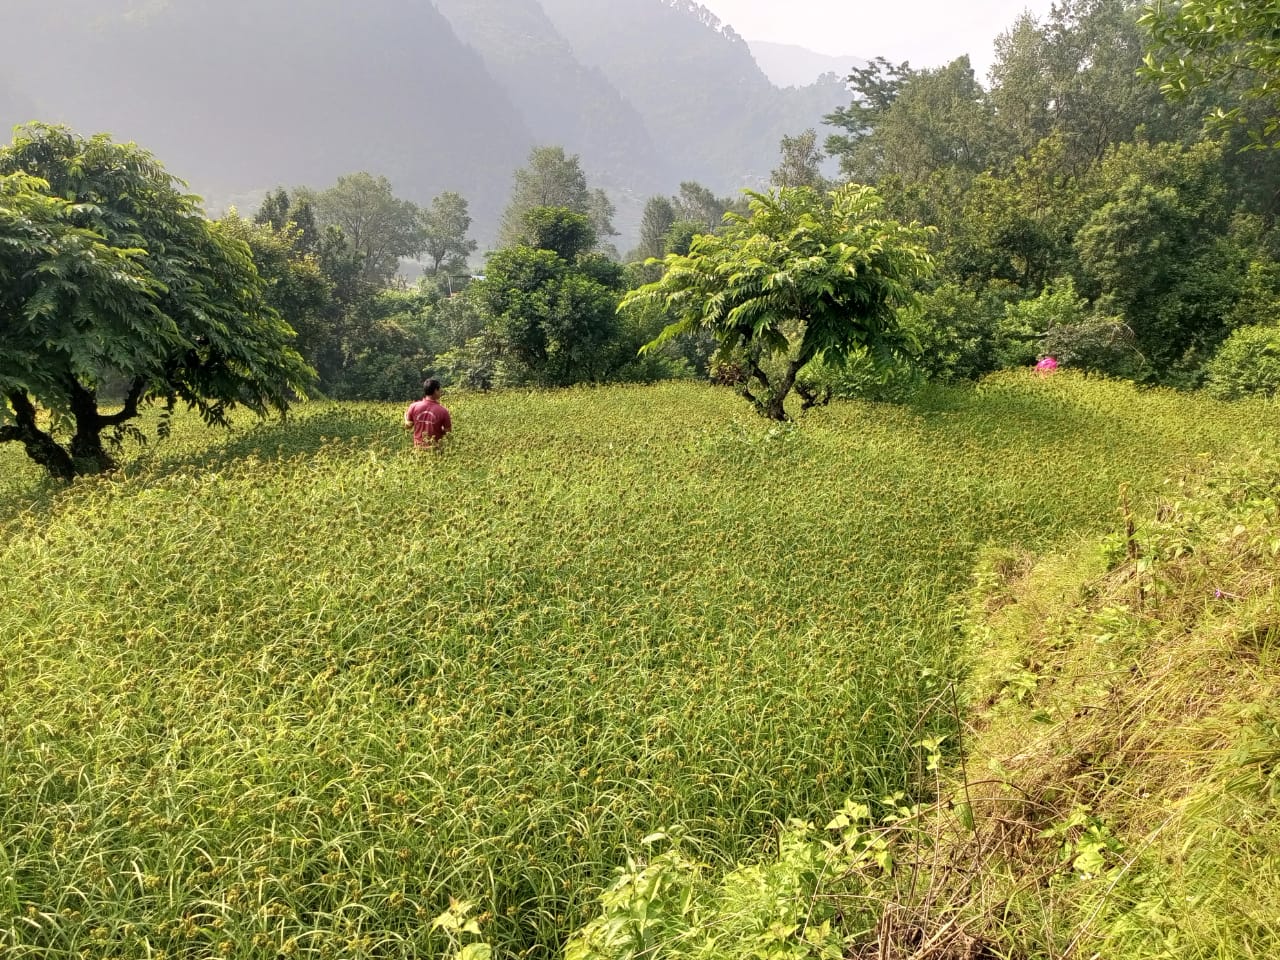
(287, 692)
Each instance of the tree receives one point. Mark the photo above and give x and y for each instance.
(552, 178)
(558, 229)
(295, 285)
(932, 119)
(805, 277)
(679, 238)
(110, 274)
(659, 215)
(1077, 76)
(695, 202)
(303, 216)
(1227, 45)
(1017, 228)
(1156, 251)
(274, 212)
(444, 227)
(389, 346)
(380, 228)
(601, 210)
(801, 164)
(553, 306)
(278, 212)
(875, 89)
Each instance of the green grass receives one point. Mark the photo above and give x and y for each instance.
(1132, 702)
(290, 690)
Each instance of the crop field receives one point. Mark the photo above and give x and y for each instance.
(286, 691)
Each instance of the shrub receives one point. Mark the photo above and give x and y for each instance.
(1026, 322)
(1101, 344)
(1246, 365)
(956, 332)
(858, 376)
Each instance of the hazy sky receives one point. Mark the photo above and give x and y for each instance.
(926, 32)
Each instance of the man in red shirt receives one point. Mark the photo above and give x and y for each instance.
(428, 418)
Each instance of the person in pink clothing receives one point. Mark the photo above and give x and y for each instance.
(428, 418)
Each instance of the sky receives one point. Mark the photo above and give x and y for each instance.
(928, 33)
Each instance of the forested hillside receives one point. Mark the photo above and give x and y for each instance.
(241, 96)
(695, 80)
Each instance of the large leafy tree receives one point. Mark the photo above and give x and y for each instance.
(1156, 250)
(552, 304)
(804, 277)
(380, 228)
(697, 203)
(875, 88)
(110, 277)
(1227, 46)
(552, 178)
(1076, 75)
(298, 289)
(445, 225)
(910, 123)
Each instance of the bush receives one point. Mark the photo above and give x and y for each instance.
(1101, 344)
(1026, 322)
(1246, 365)
(956, 331)
(859, 376)
(1259, 300)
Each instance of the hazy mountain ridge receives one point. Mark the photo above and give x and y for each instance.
(788, 65)
(267, 97)
(238, 96)
(563, 101)
(706, 99)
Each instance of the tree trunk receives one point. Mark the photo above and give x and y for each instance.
(87, 451)
(775, 405)
(40, 447)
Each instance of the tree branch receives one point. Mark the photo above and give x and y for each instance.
(40, 446)
(130, 409)
(23, 409)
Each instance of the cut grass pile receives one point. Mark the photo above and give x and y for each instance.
(290, 691)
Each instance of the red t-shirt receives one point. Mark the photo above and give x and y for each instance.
(431, 421)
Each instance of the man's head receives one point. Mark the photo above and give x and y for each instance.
(430, 388)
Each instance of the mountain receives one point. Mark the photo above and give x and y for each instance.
(706, 100)
(565, 102)
(239, 96)
(268, 95)
(787, 65)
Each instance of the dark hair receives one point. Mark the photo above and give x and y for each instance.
(430, 387)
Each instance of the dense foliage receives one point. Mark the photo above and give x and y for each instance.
(1070, 168)
(1225, 47)
(111, 279)
(1077, 213)
(805, 277)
